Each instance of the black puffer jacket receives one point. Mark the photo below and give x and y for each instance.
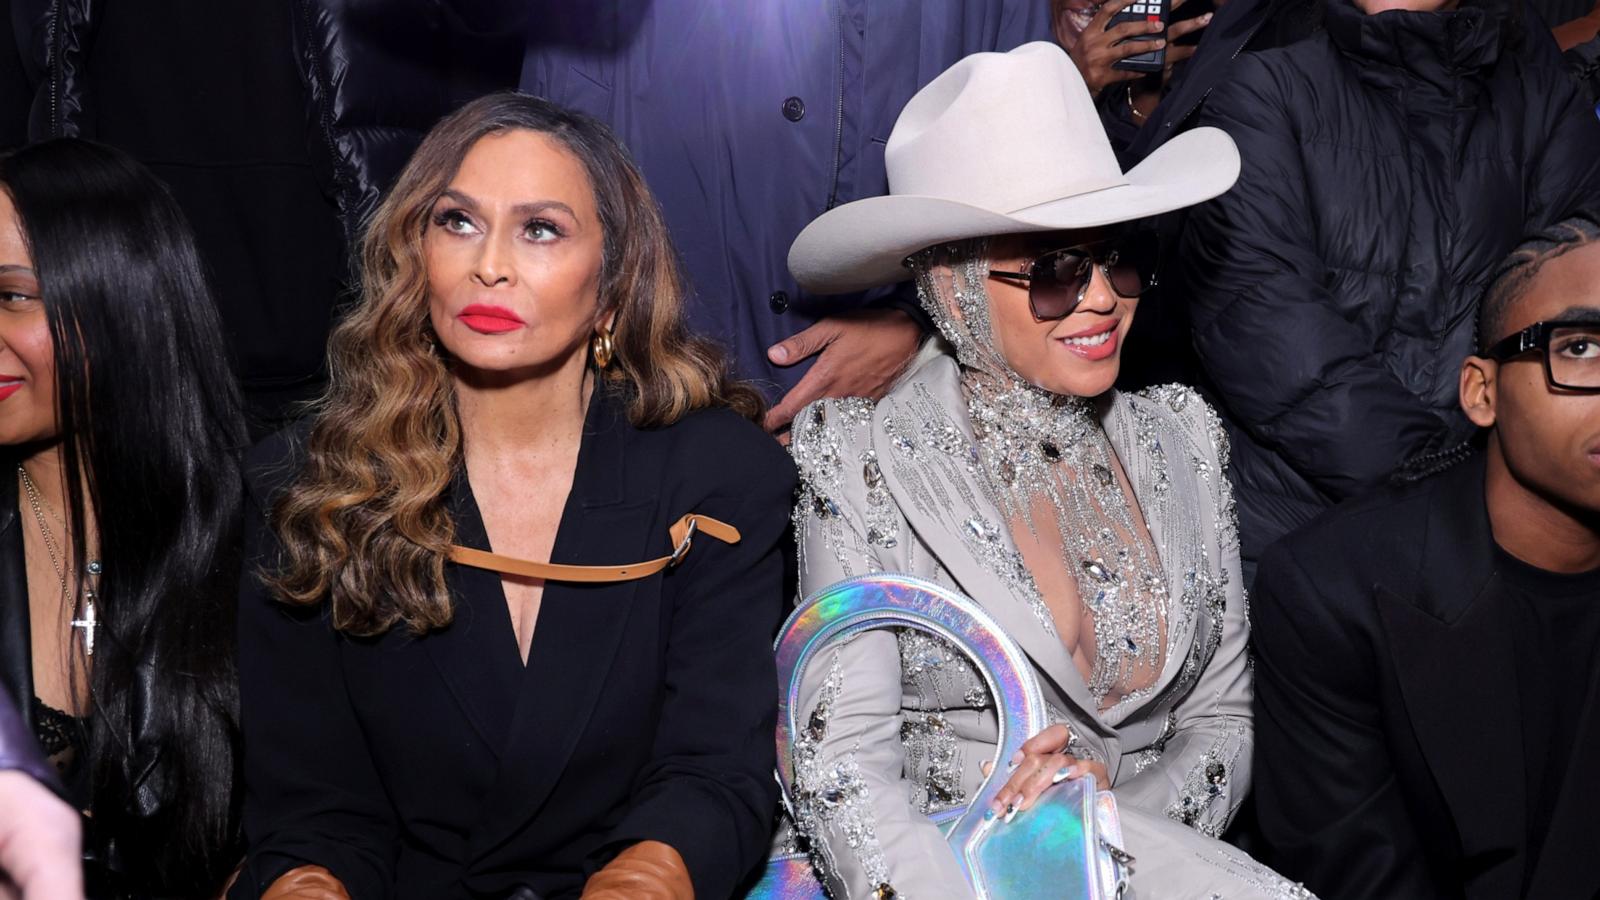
(1388, 164)
(379, 75)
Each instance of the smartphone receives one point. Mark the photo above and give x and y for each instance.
(1143, 11)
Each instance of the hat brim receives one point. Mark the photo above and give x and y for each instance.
(864, 244)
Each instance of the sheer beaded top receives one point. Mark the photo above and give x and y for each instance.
(1045, 461)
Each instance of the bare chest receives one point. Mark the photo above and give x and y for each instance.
(521, 516)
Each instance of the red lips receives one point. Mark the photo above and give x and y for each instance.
(485, 318)
(1093, 352)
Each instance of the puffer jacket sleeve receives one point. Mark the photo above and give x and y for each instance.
(1330, 408)
(852, 800)
(1564, 177)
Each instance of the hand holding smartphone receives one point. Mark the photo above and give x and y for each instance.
(1097, 45)
(1152, 13)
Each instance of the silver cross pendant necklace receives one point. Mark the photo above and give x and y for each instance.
(86, 618)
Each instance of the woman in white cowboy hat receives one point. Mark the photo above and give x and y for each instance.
(1096, 527)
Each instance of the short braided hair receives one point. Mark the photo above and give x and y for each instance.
(1517, 271)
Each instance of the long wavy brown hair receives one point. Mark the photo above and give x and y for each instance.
(365, 525)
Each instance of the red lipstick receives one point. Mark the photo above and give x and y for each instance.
(10, 384)
(486, 318)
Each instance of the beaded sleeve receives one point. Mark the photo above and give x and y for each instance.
(852, 798)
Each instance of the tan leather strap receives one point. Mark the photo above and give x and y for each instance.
(682, 531)
(307, 883)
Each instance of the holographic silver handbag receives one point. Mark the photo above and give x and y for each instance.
(1066, 847)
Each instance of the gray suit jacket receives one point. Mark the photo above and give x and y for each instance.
(889, 487)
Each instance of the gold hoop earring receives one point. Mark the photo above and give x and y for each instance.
(602, 347)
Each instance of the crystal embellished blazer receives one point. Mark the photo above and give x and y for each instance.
(900, 723)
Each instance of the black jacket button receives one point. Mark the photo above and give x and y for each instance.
(779, 301)
(794, 109)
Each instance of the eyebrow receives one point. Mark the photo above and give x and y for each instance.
(1585, 314)
(13, 267)
(520, 209)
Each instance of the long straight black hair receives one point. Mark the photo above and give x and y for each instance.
(150, 415)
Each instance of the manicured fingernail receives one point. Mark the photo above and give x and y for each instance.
(1154, 26)
(1160, 44)
(1206, 19)
(1011, 812)
(1016, 760)
(1061, 775)
(778, 353)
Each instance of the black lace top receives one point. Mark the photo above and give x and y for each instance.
(64, 739)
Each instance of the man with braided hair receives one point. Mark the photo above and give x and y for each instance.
(1427, 720)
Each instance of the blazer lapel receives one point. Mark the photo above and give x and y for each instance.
(477, 655)
(579, 628)
(1456, 666)
(967, 533)
(1166, 490)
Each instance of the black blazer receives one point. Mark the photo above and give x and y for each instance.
(1389, 757)
(439, 767)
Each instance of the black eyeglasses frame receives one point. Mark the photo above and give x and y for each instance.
(1537, 337)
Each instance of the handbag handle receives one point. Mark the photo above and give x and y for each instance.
(682, 532)
(843, 610)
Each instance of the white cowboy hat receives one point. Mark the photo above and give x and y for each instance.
(1001, 143)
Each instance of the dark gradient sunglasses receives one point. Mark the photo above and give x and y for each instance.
(1057, 280)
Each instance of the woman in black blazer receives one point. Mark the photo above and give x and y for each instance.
(516, 378)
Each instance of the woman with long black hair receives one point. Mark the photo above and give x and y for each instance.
(120, 442)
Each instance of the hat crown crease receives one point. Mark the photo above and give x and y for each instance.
(995, 132)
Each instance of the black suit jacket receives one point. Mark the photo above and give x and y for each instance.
(1389, 756)
(438, 767)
